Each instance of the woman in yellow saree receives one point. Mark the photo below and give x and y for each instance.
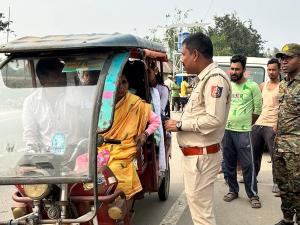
(130, 121)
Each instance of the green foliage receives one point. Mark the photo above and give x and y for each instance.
(195, 29)
(179, 16)
(229, 34)
(235, 36)
(171, 33)
(221, 47)
(153, 36)
(3, 24)
(171, 38)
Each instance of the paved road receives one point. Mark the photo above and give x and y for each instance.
(5, 202)
(150, 211)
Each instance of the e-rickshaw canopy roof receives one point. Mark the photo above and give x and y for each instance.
(78, 41)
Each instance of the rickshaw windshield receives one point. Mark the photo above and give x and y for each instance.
(46, 107)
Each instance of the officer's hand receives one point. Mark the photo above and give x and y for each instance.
(170, 125)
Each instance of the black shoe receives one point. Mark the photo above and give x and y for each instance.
(283, 222)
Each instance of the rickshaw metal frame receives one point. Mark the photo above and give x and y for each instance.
(86, 46)
(92, 139)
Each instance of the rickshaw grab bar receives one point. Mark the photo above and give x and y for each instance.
(21, 199)
(107, 199)
(104, 199)
(154, 54)
(82, 219)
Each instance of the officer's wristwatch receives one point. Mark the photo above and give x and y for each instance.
(178, 125)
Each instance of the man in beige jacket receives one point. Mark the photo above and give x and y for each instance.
(201, 127)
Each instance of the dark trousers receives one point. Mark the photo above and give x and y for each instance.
(224, 169)
(183, 101)
(262, 136)
(175, 103)
(237, 146)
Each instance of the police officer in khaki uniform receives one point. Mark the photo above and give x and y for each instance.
(286, 157)
(201, 127)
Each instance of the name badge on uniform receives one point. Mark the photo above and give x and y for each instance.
(216, 91)
(58, 145)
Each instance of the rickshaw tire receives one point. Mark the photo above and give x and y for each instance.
(163, 192)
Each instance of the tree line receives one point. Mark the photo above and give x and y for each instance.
(4, 24)
(229, 34)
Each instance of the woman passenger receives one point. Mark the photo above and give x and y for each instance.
(130, 121)
(131, 116)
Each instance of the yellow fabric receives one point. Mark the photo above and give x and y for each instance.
(183, 88)
(130, 120)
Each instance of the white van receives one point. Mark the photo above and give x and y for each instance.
(256, 68)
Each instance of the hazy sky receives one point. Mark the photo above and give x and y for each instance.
(277, 21)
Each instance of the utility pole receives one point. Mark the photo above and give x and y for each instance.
(177, 65)
(7, 29)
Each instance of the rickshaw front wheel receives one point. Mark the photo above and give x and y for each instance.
(163, 192)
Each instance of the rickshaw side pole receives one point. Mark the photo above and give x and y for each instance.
(64, 198)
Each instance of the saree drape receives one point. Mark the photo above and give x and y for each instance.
(130, 120)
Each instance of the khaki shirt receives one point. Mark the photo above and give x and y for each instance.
(205, 115)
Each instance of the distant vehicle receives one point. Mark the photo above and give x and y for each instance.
(256, 68)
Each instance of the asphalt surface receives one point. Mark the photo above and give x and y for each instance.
(174, 211)
(150, 211)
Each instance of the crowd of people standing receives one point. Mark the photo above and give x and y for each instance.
(242, 118)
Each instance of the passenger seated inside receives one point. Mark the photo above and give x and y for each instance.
(136, 79)
(131, 116)
(156, 102)
(90, 77)
(163, 94)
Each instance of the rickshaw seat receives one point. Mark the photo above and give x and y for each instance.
(141, 162)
